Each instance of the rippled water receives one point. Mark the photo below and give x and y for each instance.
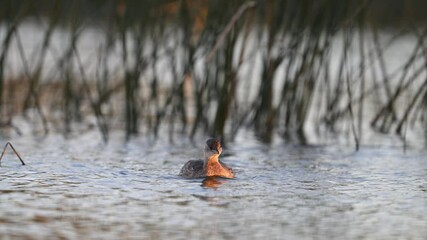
(80, 188)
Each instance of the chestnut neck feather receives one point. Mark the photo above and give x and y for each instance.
(211, 160)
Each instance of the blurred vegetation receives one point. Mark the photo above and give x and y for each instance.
(216, 67)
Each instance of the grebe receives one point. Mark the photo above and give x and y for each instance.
(211, 166)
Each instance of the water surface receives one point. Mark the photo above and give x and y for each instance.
(80, 188)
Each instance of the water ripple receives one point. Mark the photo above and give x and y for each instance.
(285, 192)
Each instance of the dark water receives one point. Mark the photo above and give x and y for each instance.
(79, 188)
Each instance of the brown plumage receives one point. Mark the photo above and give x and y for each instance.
(210, 166)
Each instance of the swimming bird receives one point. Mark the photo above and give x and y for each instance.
(211, 166)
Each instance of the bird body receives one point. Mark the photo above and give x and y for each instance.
(193, 169)
(211, 166)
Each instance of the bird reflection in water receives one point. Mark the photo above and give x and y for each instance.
(212, 182)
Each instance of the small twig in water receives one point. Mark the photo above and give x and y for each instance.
(14, 150)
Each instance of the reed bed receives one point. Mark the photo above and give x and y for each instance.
(301, 70)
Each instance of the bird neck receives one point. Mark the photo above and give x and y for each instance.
(213, 159)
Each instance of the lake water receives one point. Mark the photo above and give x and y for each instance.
(80, 188)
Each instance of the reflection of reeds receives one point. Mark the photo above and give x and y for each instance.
(205, 47)
(10, 31)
